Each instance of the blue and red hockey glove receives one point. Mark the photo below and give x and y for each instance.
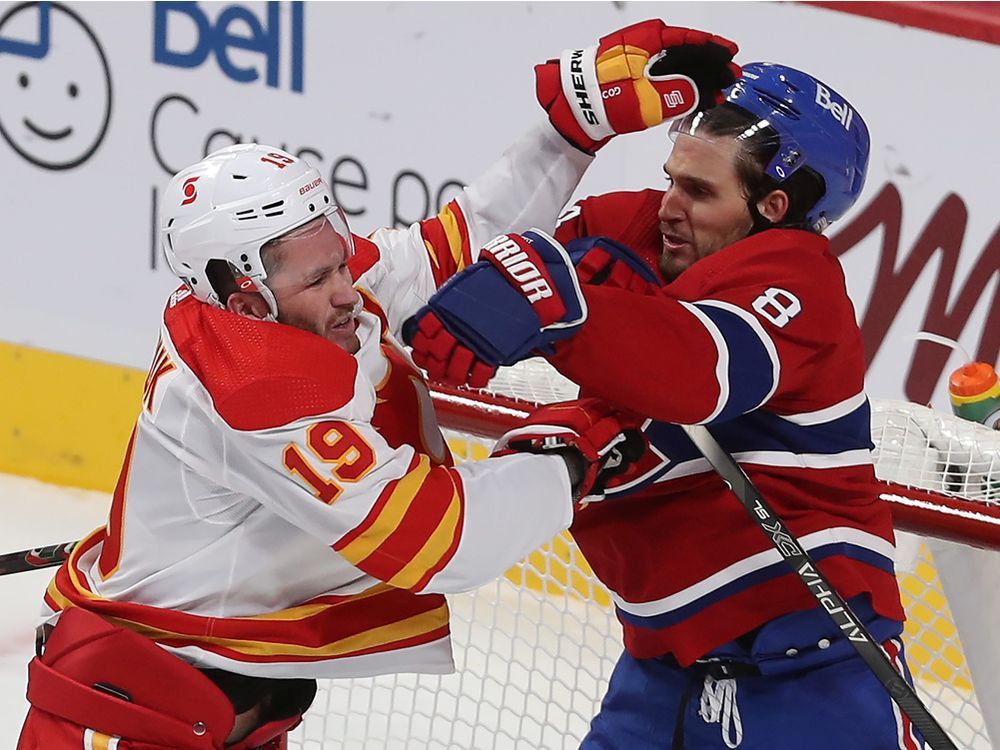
(483, 317)
(633, 79)
(521, 297)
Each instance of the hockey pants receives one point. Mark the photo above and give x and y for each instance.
(101, 687)
(796, 684)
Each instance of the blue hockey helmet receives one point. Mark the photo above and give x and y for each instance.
(817, 128)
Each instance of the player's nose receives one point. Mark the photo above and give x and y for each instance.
(671, 208)
(342, 291)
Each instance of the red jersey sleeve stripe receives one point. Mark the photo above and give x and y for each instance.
(449, 552)
(440, 534)
(352, 544)
(413, 529)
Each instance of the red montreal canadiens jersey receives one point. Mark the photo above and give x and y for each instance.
(759, 343)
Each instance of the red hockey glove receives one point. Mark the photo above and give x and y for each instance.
(601, 261)
(633, 79)
(597, 442)
(444, 358)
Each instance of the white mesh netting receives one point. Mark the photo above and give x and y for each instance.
(919, 447)
(534, 649)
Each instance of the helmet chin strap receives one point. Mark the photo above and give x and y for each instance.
(272, 303)
(359, 305)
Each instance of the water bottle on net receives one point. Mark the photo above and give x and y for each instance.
(974, 389)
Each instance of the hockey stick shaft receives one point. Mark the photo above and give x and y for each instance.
(832, 603)
(33, 559)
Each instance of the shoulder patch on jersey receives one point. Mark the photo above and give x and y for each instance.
(366, 255)
(259, 374)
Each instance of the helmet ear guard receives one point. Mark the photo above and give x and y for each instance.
(229, 205)
(226, 279)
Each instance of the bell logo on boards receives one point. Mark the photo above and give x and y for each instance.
(184, 37)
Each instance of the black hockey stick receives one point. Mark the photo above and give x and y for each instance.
(808, 572)
(32, 559)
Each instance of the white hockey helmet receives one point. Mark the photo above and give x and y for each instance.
(232, 202)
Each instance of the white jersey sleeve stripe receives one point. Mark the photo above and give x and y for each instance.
(860, 457)
(757, 328)
(829, 414)
(721, 366)
(746, 566)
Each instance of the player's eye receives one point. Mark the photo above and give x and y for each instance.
(699, 190)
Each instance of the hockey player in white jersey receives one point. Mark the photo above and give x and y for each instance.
(287, 507)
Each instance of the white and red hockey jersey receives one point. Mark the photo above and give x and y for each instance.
(759, 342)
(286, 509)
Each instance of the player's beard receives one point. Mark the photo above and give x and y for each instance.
(342, 330)
(672, 263)
(345, 336)
(672, 266)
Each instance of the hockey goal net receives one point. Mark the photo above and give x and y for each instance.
(534, 650)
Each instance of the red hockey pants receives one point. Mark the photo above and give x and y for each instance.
(101, 687)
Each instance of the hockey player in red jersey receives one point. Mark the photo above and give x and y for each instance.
(717, 302)
(287, 507)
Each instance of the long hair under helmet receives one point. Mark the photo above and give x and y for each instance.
(799, 124)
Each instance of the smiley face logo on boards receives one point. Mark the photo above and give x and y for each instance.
(55, 85)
